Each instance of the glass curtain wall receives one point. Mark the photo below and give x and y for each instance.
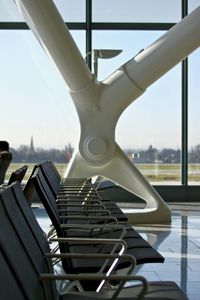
(193, 109)
(151, 140)
(193, 119)
(134, 11)
(38, 117)
(149, 131)
(38, 107)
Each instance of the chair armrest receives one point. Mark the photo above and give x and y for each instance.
(80, 204)
(100, 218)
(102, 277)
(78, 200)
(115, 242)
(90, 227)
(93, 227)
(85, 212)
(88, 241)
(78, 196)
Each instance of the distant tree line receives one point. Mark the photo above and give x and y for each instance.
(148, 156)
(25, 154)
(166, 155)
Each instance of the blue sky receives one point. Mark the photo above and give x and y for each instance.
(35, 101)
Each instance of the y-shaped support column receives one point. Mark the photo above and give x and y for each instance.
(100, 104)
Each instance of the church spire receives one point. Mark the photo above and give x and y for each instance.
(32, 145)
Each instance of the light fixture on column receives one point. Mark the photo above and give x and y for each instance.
(103, 53)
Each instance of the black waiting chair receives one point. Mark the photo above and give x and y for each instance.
(71, 226)
(77, 188)
(18, 174)
(27, 272)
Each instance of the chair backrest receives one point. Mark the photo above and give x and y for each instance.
(9, 285)
(21, 250)
(5, 159)
(18, 174)
(47, 198)
(30, 219)
(55, 170)
(28, 188)
(49, 173)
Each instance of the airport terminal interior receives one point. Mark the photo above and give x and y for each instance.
(107, 92)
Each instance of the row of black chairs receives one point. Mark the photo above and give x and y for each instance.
(26, 259)
(69, 215)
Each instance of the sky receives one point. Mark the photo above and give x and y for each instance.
(35, 99)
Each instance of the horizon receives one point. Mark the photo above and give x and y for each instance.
(38, 147)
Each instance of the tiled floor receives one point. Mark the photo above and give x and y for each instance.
(178, 242)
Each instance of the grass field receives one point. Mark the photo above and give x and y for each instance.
(13, 166)
(155, 173)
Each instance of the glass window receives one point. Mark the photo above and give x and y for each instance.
(130, 42)
(71, 11)
(34, 97)
(149, 131)
(192, 4)
(9, 12)
(193, 118)
(136, 11)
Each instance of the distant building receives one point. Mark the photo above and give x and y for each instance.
(32, 145)
(32, 155)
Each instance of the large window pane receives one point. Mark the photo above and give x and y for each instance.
(149, 131)
(71, 11)
(192, 4)
(194, 120)
(136, 11)
(9, 12)
(34, 98)
(131, 42)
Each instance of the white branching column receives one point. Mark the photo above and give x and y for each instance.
(100, 104)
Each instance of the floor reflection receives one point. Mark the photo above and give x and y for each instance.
(179, 243)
